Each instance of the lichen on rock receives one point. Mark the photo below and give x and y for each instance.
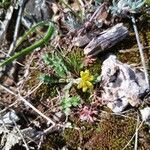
(121, 84)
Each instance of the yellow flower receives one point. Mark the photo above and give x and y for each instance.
(85, 81)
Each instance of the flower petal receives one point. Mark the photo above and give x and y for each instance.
(84, 89)
(87, 72)
(91, 78)
(89, 84)
(79, 87)
(81, 73)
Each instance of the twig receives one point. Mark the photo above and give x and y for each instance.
(117, 114)
(46, 110)
(97, 12)
(140, 50)
(40, 143)
(136, 135)
(30, 105)
(132, 49)
(12, 46)
(34, 89)
(11, 105)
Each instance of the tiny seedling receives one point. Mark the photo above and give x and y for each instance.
(68, 102)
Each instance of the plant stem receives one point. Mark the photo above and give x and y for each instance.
(29, 49)
(32, 29)
(140, 50)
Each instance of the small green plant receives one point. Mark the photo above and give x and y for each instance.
(55, 62)
(63, 75)
(48, 79)
(75, 63)
(5, 3)
(68, 102)
(123, 7)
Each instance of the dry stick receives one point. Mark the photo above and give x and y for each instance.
(97, 12)
(132, 49)
(30, 105)
(12, 46)
(140, 50)
(136, 135)
(40, 143)
(137, 129)
(11, 105)
(117, 114)
(34, 89)
(46, 110)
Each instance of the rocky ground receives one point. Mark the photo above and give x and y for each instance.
(84, 88)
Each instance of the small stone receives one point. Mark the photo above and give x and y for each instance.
(9, 118)
(145, 114)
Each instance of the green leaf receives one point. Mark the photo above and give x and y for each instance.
(47, 59)
(67, 111)
(75, 101)
(31, 48)
(65, 103)
(97, 78)
(55, 62)
(48, 79)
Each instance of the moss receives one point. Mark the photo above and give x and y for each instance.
(32, 81)
(129, 57)
(45, 91)
(115, 132)
(133, 56)
(112, 132)
(72, 138)
(95, 68)
(54, 141)
(144, 137)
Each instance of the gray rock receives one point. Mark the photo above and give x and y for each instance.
(35, 11)
(9, 118)
(122, 85)
(145, 114)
